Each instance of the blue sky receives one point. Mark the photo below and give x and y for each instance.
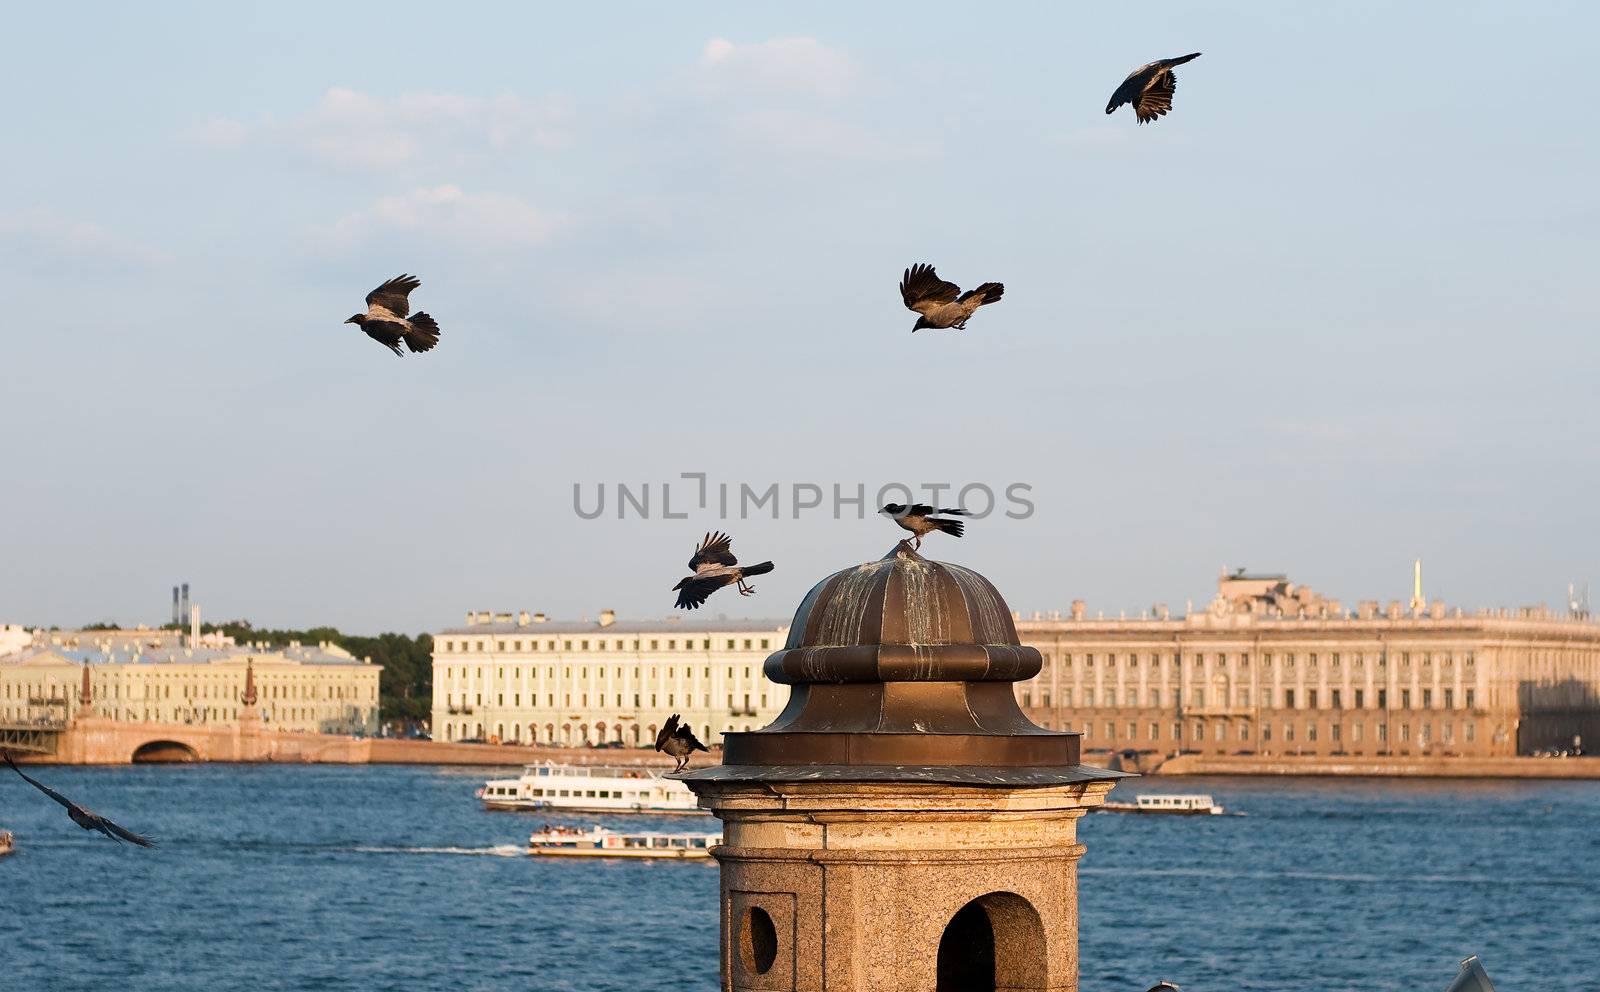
(1335, 312)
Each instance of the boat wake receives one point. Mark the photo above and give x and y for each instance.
(497, 851)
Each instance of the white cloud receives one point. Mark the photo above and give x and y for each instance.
(450, 213)
(356, 130)
(41, 233)
(803, 64)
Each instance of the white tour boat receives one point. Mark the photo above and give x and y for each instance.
(584, 789)
(1195, 805)
(598, 842)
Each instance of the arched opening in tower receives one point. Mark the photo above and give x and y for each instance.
(994, 943)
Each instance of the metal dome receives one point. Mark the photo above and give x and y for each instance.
(903, 662)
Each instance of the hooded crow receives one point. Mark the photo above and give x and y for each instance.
(943, 304)
(1149, 88)
(678, 741)
(386, 322)
(918, 519)
(87, 819)
(714, 566)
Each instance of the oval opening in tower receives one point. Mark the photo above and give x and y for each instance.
(758, 941)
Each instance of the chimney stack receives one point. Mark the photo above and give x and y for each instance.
(194, 625)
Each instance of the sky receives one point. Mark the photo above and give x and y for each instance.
(1334, 313)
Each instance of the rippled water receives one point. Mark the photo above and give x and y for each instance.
(346, 878)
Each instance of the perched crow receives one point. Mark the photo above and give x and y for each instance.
(943, 304)
(386, 322)
(714, 566)
(918, 519)
(1149, 88)
(87, 819)
(678, 741)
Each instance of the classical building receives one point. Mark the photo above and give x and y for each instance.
(527, 678)
(1272, 668)
(153, 679)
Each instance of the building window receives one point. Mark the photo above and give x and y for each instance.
(1155, 731)
(1288, 731)
(1338, 700)
(1471, 701)
(1355, 733)
(1066, 698)
(1427, 699)
(1383, 699)
(1405, 731)
(1333, 732)
(1405, 699)
(1449, 699)
(1288, 699)
(1222, 731)
(1360, 699)
(1244, 731)
(1311, 732)
(1311, 695)
(1266, 732)
(1470, 731)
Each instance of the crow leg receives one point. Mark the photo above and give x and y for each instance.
(745, 590)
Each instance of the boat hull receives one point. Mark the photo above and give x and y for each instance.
(1127, 808)
(672, 854)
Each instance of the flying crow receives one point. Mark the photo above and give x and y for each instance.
(1149, 88)
(87, 819)
(386, 322)
(943, 304)
(678, 741)
(714, 566)
(919, 519)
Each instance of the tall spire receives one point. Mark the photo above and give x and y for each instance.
(249, 696)
(85, 694)
(1418, 604)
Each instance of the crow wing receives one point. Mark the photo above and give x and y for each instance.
(692, 593)
(115, 832)
(393, 295)
(667, 731)
(716, 549)
(53, 794)
(686, 734)
(1156, 100)
(922, 289)
(387, 333)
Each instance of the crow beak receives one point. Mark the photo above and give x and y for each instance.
(350, 320)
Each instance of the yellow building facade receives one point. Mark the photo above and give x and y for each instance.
(531, 680)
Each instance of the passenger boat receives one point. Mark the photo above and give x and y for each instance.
(585, 789)
(7, 843)
(598, 842)
(1195, 805)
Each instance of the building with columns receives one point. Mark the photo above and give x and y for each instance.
(150, 677)
(1272, 668)
(529, 679)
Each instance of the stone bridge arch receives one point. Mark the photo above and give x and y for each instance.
(166, 749)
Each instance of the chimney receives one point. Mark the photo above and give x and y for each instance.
(194, 624)
(608, 617)
(472, 618)
(522, 619)
(483, 616)
(1077, 609)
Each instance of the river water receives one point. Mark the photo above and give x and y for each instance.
(328, 877)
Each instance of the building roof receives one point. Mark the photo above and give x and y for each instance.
(131, 655)
(668, 626)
